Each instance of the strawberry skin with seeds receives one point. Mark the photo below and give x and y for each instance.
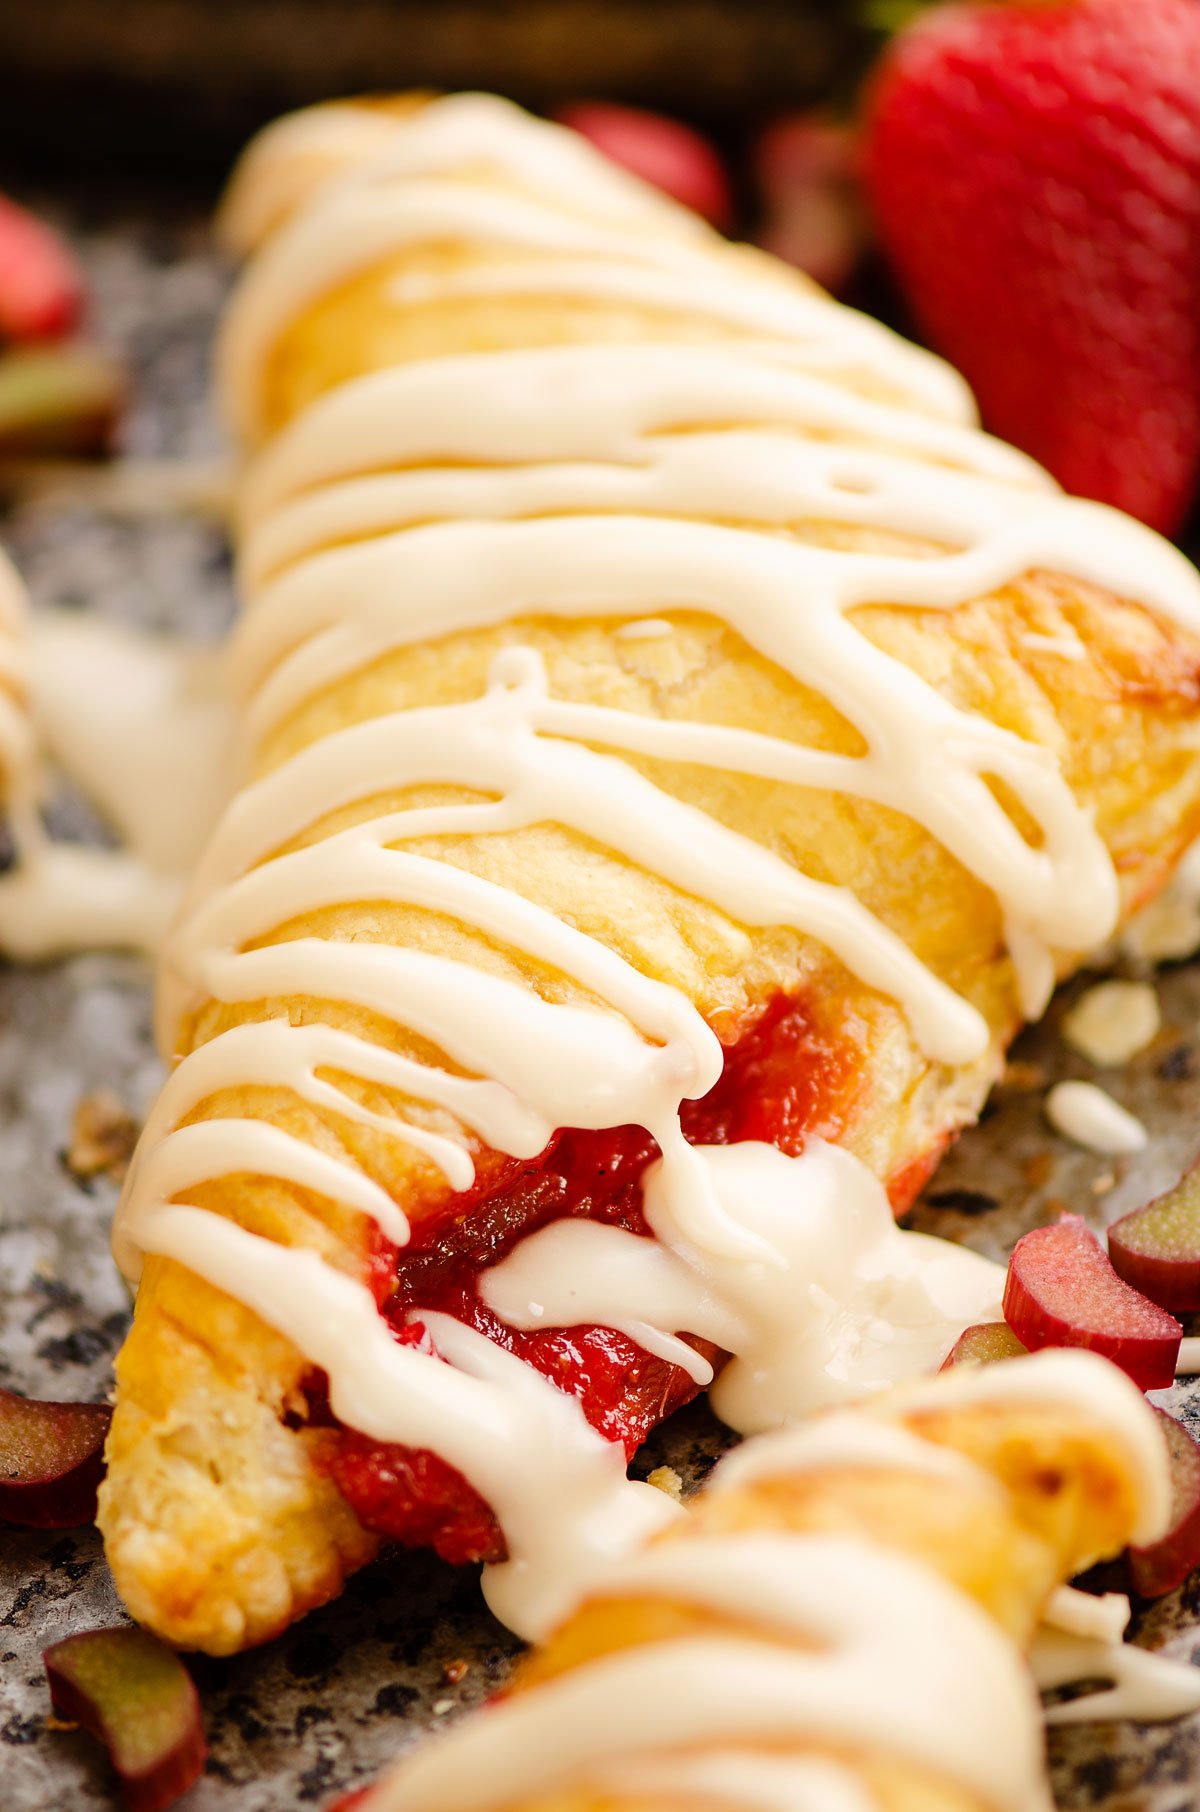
(1034, 170)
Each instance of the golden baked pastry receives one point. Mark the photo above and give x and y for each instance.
(836, 1624)
(681, 750)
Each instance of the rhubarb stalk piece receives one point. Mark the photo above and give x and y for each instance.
(1062, 1291)
(1157, 1248)
(983, 1344)
(1166, 1563)
(131, 1691)
(61, 400)
(51, 1461)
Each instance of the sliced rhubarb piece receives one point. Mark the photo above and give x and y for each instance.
(1062, 1291)
(61, 400)
(134, 1693)
(1157, 1248)
(41, 291)
(664, 152)
(1167, 1562)
(51, 1461)
(983, 1344)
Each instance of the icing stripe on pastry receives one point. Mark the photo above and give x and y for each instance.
(562, 198)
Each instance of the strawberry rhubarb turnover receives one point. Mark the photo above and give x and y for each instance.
(680, 751)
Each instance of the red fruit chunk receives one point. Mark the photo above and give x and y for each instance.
(984, 1344)
(134, 1693)
(41, 291)
(1167, 1563)
(807, 170)
(1157, 1248)
(663, 152)
(51, 1461)
(1062, 1291)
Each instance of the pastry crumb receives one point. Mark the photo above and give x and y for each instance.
(103, 1135)
(455, 1672)
(667, 1480)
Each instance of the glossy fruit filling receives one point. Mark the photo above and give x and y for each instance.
(784, 1079)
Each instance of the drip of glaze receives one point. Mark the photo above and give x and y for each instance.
(846, 1305)
(100, 698)
(1081, 1639)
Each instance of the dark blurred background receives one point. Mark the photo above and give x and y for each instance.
(165, 91)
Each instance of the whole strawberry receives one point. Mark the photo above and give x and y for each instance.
(1035, 173)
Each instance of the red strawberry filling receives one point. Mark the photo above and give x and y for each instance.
(785, 1078)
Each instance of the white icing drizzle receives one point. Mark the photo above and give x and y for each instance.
(570, 484)
(555, 198)
(100, 698)
(893, 1659)
(844, 1305)
(1082, 1639)
(1146, 1687)
(757, 1782)
(341, 609)
(1089, 1116)
(607, 427)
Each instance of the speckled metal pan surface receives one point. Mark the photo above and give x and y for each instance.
(410, 1643)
